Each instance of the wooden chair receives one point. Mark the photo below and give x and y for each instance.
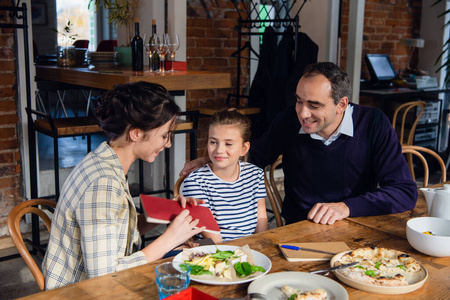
(57, 128)
(408, 112)
(176, 188)
(272, 191)
(416, 150)
(404, 110)
(14, 217)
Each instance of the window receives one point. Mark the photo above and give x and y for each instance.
(86, 22)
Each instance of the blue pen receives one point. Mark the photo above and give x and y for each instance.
(306, 249)
(290, 247)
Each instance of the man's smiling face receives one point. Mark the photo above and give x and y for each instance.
(315, 108)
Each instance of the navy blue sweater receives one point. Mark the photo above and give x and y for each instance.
(367, 171)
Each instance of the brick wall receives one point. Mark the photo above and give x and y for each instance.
(211, 39)
(384, 25)
(10, 163)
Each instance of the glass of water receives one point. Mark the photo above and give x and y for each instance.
(171, 278)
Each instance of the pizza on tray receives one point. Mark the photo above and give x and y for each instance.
(380, 266)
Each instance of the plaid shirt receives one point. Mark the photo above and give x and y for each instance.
(94, 228)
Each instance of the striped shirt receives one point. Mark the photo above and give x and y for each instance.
(233, 204)
(94, 227)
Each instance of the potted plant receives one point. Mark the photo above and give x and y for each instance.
(121, 13)
(446, 48)
(65, 54)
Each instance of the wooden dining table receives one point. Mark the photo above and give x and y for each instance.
(385, 231)
(106, 78)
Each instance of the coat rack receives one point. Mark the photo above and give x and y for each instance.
(250, 17)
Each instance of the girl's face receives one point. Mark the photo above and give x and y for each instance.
(225, 146)
(154, 141)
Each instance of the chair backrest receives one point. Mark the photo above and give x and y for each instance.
(176, 188)
(81, 43)
(272, 191)
(14, 218)
(403, 111)
(107, 45)
(416, 150)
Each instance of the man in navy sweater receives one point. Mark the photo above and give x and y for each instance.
(339, 159)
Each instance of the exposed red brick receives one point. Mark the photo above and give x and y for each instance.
(8, 182)
(200, 52)
(6, 157)
(7, 105)
(9, 119)
(9, 144)
(7, 78)
(7, 92)
(7, 171)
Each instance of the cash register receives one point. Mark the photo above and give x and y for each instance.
(382, 72)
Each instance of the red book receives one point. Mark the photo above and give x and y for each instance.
(163, 211)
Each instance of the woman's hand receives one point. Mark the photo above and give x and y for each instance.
(182, 228)
(193, 165)
(179, 231)
(183, 200)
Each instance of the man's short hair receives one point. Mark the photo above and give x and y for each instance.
(340, 83)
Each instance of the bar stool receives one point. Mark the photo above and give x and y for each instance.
(190, 126)
(59, 128)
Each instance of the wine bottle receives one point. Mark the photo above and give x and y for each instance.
(137, 49)
(155, 58)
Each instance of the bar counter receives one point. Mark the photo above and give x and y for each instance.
(107, 78)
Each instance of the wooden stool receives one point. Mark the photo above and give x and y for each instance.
(60, 128)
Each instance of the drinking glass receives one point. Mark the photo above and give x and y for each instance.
(174, 43)
(161, 48)
(171, 278)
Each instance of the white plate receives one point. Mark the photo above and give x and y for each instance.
(270, 285)
(260, 260)
(414, 284)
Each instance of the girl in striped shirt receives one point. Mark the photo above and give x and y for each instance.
(233, 190)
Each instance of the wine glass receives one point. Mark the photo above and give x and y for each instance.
(174, 43)
(162, 48)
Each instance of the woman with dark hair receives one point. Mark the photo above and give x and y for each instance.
(95, 227)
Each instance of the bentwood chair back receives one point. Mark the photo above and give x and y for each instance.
(176, 188)
(417, 151)
(405, 111)
(14, 218)
(409, 116)
(272, 191)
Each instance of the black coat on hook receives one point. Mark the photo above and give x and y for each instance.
(276, 78)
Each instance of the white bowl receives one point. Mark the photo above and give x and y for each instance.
(433, 245)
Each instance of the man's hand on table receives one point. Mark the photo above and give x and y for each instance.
(328, 213)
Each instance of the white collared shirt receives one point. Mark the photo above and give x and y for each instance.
(346, 127)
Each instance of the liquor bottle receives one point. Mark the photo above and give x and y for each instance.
(137, 49)
(154, 61)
